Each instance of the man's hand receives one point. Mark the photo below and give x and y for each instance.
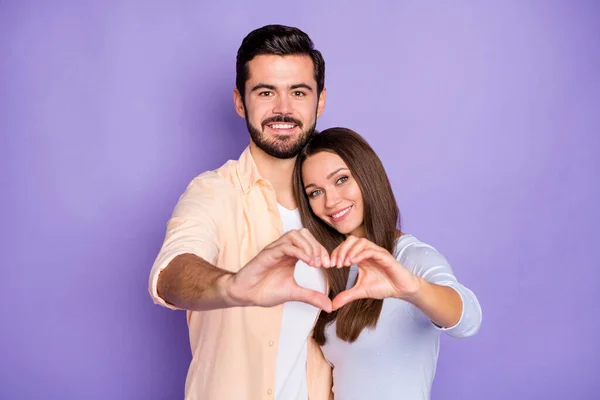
(380, 275)
(268, 279)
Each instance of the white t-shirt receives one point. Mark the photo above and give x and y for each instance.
(297, 323)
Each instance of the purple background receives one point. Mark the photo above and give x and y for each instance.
(487, 118)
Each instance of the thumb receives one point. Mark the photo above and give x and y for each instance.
(312, 297)
(346, 297)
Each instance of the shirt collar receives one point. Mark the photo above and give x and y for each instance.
(247, 171)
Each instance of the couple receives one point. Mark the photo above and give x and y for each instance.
(297, 282)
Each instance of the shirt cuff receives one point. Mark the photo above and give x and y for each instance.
(160, 264)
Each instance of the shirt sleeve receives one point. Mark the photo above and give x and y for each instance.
(426, 262)
(191, 228)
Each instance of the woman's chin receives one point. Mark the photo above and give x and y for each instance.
(346, 231)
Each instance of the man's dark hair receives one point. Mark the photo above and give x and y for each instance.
(278, 40)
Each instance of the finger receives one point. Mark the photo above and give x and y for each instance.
(318, 249)
(325, 259)
(333, 257)
(356, 248)
(326, 262)
(343, 249)
(300, 241)
(289, 250)
(312, 297)
(347, 296)
(376, 255)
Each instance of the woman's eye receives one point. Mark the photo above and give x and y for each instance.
(314, 193)
(342, 180)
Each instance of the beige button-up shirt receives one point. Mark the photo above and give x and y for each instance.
(227, 216)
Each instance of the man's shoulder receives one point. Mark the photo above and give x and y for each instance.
(221, 180)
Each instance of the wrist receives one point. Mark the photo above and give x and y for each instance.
(227, 290)
(414, 292)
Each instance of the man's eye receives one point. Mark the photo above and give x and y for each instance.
(265, 94)
(299, 93)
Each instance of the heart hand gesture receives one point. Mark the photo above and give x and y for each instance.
(380, 275)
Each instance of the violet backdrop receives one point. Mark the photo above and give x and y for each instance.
(485, 114)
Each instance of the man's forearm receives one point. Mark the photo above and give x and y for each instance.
(191, 283)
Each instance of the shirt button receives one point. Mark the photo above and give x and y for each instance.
(269, 391)
(271, 343)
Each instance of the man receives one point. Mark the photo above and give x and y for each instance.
(235, 256)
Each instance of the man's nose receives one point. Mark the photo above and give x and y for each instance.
(282, 106)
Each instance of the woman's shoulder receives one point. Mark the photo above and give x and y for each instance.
(410, 250)
(406, 240)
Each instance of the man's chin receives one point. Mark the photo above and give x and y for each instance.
(283, 154)
(279, 146)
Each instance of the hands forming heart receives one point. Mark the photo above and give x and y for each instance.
(268, 279)
(380, 275)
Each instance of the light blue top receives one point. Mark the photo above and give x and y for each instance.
(397, 360)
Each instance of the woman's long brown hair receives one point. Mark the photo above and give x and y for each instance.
(381, 223)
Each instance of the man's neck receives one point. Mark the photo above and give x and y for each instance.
(278, 172)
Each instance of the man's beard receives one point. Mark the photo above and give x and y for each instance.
(284, 147)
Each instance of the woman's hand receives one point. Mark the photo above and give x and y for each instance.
(380, 275)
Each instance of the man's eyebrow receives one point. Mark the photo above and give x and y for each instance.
(301, 86)
(271, 87)
(262, 86)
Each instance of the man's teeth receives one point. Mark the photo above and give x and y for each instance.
(282, 126)
(341, 213)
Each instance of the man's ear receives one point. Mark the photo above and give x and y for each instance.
(321, 105)
(239, 103)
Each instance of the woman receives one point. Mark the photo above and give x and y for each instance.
(392, 294)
